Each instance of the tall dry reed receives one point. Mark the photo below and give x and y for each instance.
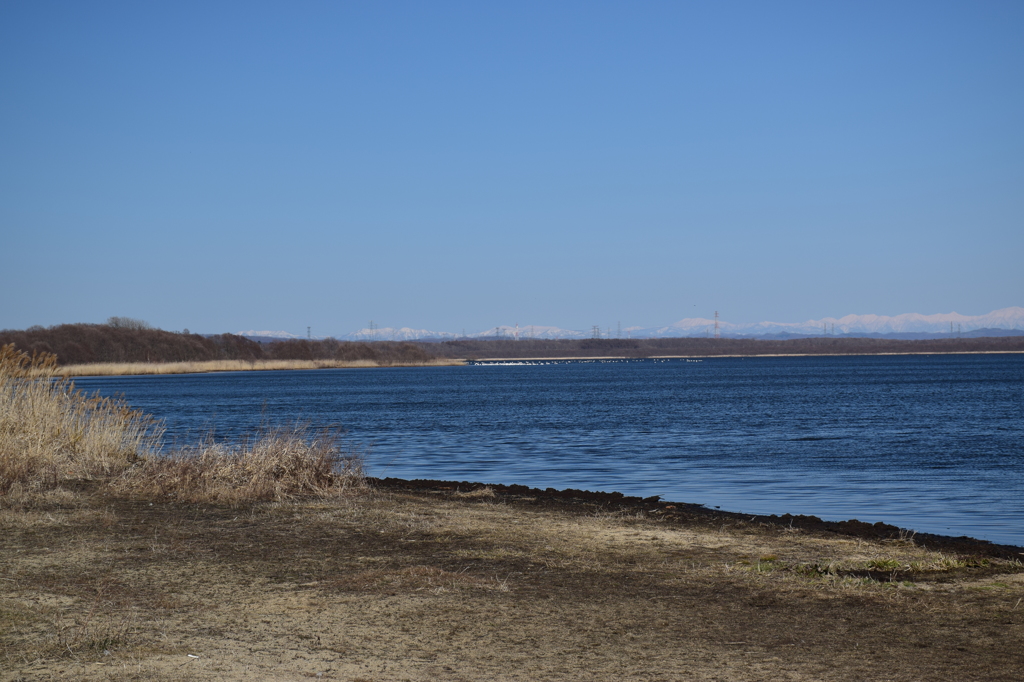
(278, 465)
(127, 368)
(51, 433)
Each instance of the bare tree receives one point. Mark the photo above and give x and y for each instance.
(127, 323)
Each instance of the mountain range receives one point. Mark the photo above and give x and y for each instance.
(908, 324)
(942, 323)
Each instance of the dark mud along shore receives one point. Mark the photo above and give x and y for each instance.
(688, 513)
(445, 580)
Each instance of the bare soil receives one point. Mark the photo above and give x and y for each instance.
(447, 581)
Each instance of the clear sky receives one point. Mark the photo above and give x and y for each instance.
(222, 166)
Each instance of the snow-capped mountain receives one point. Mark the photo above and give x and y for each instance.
(397, 334)
(1007, 318)
(1004, 319)
(501, 331)
(270, 335)
(527, 332)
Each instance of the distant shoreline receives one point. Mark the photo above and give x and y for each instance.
(111, 350)
(216, 366)
(742, 355)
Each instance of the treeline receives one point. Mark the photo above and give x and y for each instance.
(381, 352)
(75, 344)
(643, 348)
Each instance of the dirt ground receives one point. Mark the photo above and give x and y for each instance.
(457, 582)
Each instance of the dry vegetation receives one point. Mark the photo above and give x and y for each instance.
(124, 368)
(120, 343)
(126, 346)
(278, 465)
(401, 585)
(277, 560)
(52, 437)
(50, 433)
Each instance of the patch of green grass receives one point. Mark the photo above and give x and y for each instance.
(948, 563)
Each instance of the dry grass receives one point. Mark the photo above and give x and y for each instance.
(126, 368)
(469, 585)
(50, 433)
(394, 586)
(278, 465)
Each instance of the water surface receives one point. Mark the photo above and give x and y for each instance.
(932, 443)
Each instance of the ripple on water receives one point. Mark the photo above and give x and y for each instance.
(927, 442)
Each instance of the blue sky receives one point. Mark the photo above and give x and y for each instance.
(224, 166)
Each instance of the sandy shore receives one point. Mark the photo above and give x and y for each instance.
(449, 581)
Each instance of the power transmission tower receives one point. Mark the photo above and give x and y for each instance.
(718, 334)
(309, 334)
(618, 330)
(595, 332)
(373, 331)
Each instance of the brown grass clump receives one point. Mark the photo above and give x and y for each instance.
(281, 464)
(51, 433)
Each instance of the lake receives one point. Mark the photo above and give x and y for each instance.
(927, 442)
